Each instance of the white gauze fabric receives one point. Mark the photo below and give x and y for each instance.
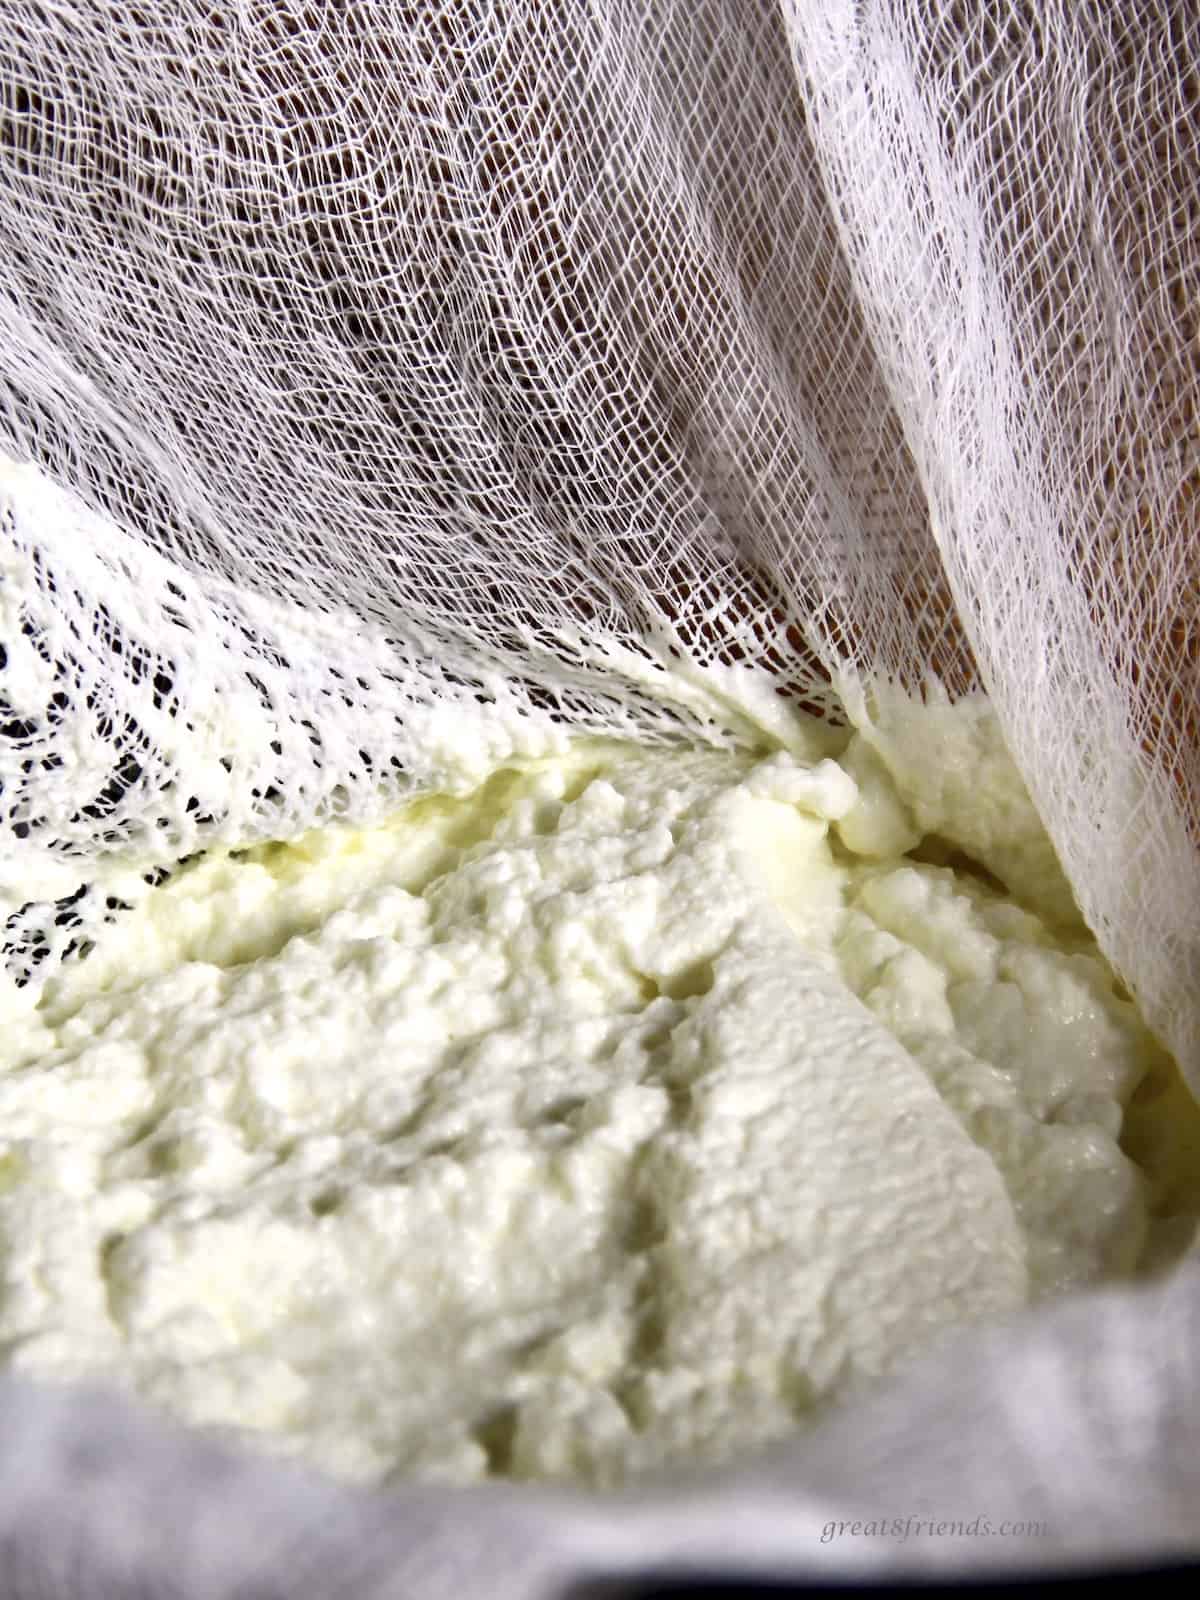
(389, 388)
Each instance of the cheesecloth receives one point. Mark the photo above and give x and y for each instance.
(391, 387)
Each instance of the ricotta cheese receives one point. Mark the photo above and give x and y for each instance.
(620, 1114)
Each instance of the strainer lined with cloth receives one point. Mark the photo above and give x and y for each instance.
(639, 368)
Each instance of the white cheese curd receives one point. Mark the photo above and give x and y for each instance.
(620, 1114)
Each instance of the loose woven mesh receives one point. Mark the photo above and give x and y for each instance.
(493, 355)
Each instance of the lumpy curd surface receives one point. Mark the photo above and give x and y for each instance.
(617, 1115)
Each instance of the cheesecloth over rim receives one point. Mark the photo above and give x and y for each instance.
(385, 379)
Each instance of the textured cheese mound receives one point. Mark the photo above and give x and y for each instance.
(619, 1114)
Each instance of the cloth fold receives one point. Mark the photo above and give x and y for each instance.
(1067, 1438)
